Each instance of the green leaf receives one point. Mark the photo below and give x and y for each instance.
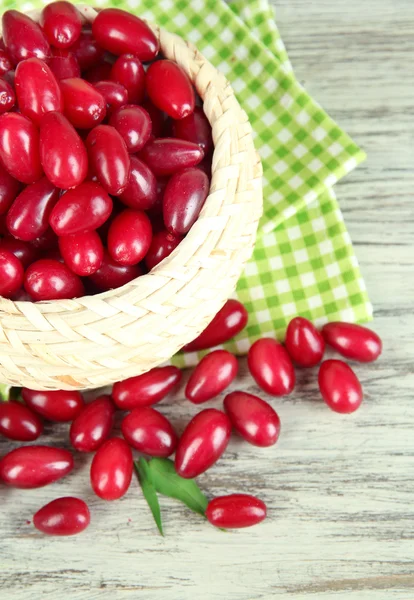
(167, 482)
(149, 491)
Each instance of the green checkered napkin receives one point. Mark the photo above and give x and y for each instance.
(303, 262)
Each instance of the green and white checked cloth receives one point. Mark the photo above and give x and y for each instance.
(303, 263)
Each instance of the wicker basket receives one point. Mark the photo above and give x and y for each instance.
(97, 340)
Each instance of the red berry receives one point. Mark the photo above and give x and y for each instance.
(304, 342)
(353, 341)
(23, 37)
(203, 442)
(166, 156)
(148, 431)
(163, 243)
(62, 24)
(194, 128)
(235, 511)
(129, 72)
(134, 125)
(170, 88)
(271, 367)
(85, 106)
(252, 418)
(146, 389)
(46, 242)
(37, 89)
(109, 158)
(63, 154)
(157, 118)
(9, 189)
(82, 252)
(141, 191)
(59, 405)
(63, 516)
(129, 237)
(11, 274)
(49, 279)
(111, 469)
(84, 208)
(184, 197)
(339, 386)
(93, 425)
(212, 375)
(5, 62)
(87, 51)
(120, 32)
(17, 422)
(7, 96)
(24, 252)
(64, 64)
(114, 93)
(35, 466)
(19, 147)
(227, 323)
(111, 274)
(28, 216)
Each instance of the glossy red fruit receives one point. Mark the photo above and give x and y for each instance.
(17, 422)
(166, 156)
(37, 89)
(62, 24)
(85, 106)
(7, 96)
(87, 50)
(304, 342)
(194, 128)
(202, 443)
(19, 147)
(114, 93)
(24, 252)
(134, 125)
(146, 389)
(48, 279)
(141, 191)
(353, 341)
(59, 405)
(35, 466)
(46, 242)
(109, 158)
(100, 72)
(63, 516)
(23, 37)
(129, 237)
(252, 418)
(121, 32)
(64, 64)
(129, 72)
(11, 274)
(9, 189)
(63, 154)
(339, 386)
(28, 216)
(271, 367)
(10, 77)
(211, 376)
(157, 117)
(5, 62)
(82, 252)
(184, 197)
(111, 469)
(170, 88)
(111, 274)
(148, 431)
(93, 425)
(84, 208)
(163, 243)
(227, 323)
(235, 511)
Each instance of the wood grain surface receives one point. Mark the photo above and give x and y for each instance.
(339, 489)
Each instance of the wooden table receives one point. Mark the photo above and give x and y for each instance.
(339, 489)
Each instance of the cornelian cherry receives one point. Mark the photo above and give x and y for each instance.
(129, 237)
(170, 88)
(148, 431)
(62, 24)
(211, 376)
(35, 466)
(162, 244)
(146, 389)
(63, 516)
(271, 367)
(141, 191)
(11, 273)
(82, 252)
(59, 405)
(87, 50)
(48, 279)
(37, 89)
(19, 147)
(194, 128)
(134, 125)
(353, 341)
(304, 342)
(115, 95)
(64, 64)
(24, 252)
(339, 386)
(108, 156)
(252, 418)
(7, 96)
(184, 197)
(84, 105)
(93, 425)
(23, 37)
(111, 274)
(17, 422)
(235, 511)
(129, 72)
(111, 469)
(166, 156)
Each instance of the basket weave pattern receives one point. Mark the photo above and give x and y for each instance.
(96, 340)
